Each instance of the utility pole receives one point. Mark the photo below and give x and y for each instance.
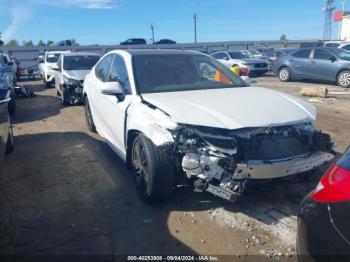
(342, 4)
(328, 11)
(152, 29)
(195, 27)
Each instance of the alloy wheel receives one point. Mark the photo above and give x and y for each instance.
(344, 79)
(141, 166)
(284, 74)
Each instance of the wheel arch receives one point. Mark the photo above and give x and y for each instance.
(339, 71)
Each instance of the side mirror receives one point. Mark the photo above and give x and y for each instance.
(55, 69)
(332, 59)
(112, 88)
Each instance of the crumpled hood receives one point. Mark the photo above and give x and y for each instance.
(76, 74)
(233, 108)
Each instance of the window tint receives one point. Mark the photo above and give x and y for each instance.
(346, 47)
(302, 54)
(120, 74)
(220, 55)
(322, 54)
(80, 62)
(175, 72)
(102, 69)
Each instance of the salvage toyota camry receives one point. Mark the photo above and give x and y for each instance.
(174, 123)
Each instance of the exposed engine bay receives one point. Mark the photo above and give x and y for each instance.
(222, 161)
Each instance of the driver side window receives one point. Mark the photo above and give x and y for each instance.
(120, 74)
(102, 69)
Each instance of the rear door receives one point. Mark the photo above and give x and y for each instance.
(300, 63)
(323, 65)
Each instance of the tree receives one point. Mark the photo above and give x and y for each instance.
(50, 42)
(74, 42)
(12, 42)
(28, 43)
(1, 42)
(283, 38)
(41, 43)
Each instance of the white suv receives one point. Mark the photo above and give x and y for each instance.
(70, 73)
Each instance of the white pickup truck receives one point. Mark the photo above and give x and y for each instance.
(48, 65)
(70, 74)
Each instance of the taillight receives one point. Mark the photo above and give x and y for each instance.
(334, 186)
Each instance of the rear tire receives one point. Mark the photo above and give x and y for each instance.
(343, 79)
(10, 145)
(154, 173)
(284, 74)
(88, 116)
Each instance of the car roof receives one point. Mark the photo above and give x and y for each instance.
(80, 54)
(136, 52)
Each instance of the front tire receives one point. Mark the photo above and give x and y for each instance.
(65, 97)
(88, 116)
(154, 173)
(284, 74)
(343, 79)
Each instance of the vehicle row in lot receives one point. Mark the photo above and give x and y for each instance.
(48, 64)
(320, 63)
(70, 74)
(174, 124)
(142, 41)
(254, 66)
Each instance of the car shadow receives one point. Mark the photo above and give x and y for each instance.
(68, 193)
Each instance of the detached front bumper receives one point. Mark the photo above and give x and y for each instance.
(268, 170)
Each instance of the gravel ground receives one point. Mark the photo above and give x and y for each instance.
(64, 191)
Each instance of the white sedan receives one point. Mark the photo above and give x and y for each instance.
(175, 124)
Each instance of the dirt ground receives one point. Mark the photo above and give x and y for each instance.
(64, 191)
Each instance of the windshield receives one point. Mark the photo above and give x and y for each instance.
(177, 72)
(238, 55)
(79, 62)
(52, 58)
(341, 53)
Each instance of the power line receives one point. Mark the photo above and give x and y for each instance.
(195, 27)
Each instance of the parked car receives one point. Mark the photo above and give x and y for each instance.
(174, 124)
(6, 134)
(273, 56)
(134, 41)
(7, 82)
(255, 66)
(324, 215)
(12, 64)
(70, 73)
(63, 43)
(48, 66)
(334, 43)
(164, 42)
(321, 63)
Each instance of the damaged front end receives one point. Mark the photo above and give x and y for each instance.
(222, 161)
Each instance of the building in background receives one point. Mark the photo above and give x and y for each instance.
(345, 27)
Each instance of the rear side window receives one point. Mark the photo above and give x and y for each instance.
(344, 161)
(102, 69)
(322, 54)
(219, 55)
(302, 54)
(346, 47)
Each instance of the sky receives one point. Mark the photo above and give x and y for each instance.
(113, 21)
